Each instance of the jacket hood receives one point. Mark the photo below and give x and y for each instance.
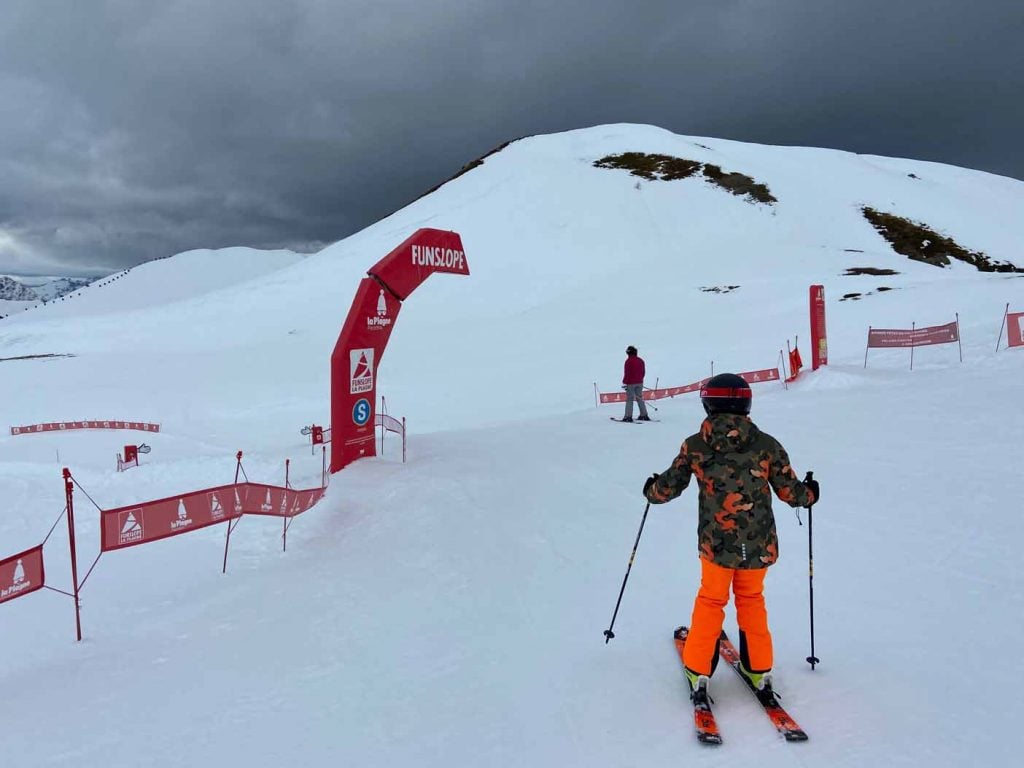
(728, 432)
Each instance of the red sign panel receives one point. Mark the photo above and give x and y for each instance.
(917, 337)
(131, 454)
(59, 426)
(819, 337)
(21, 574)
(318, 435)
(154, 520)
(1015, 329)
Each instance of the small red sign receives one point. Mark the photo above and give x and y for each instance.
(21, 574)
(1015, 329)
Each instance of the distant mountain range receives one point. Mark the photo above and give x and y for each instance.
(38, 288)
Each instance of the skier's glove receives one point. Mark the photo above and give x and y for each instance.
(649, 482)
(813, 487)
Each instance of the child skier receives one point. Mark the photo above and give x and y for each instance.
(737, 467)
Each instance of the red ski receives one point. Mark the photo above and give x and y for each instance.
(703, 717)
(783, 723)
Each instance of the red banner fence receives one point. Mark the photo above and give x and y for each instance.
(887, 338)
(150, 521)
(752, 377)
(24, 573)
(59, 426)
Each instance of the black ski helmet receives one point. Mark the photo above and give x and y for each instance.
(726, 393)
(630, 350)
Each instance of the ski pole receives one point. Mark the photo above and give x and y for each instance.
(608, 634)
(812, 659)
(650, 405)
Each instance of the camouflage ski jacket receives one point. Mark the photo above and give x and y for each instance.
(737, 466)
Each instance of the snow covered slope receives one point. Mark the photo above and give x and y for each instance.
(10, 307)
(163, 281)
(449, 611)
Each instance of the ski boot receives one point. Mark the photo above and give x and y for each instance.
(698, 687)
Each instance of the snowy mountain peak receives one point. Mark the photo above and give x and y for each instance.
(14, 290)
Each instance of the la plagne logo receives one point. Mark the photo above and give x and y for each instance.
(131, 527)
(361, 365)
(19, 583)
(216, 508)
(183, 520)
(380, 320)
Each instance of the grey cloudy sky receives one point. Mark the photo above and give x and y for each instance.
(132, 129)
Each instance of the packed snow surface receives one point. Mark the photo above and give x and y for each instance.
(449, 611)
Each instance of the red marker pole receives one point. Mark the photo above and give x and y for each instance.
(913, 342)
(227, 536)
(958, 342)
(69, 488)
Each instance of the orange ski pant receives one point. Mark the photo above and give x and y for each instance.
(709, 614)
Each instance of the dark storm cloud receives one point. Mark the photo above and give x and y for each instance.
(134, 129)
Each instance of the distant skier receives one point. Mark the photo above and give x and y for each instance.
(633, 373)
(737, 466)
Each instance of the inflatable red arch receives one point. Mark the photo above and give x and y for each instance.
(364, 336)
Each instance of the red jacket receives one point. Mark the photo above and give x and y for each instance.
(633, 371)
